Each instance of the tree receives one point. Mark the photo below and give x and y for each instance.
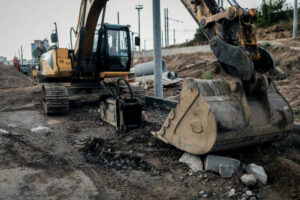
(200, 36)
(272, 12)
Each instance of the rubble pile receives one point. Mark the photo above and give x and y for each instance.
(11, 78)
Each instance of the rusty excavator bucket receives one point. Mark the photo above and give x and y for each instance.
(215, 115)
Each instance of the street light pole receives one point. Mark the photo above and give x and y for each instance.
(295, 30)
(139, 8)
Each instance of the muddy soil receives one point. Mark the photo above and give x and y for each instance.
(44, 157)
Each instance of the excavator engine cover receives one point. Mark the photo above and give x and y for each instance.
(215, 115)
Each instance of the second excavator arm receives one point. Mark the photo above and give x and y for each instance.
(232, 35)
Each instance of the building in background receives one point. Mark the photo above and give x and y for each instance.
(3, 59)
(35, 45)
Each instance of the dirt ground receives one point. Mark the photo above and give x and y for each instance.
(50, 163)
(43, 157)
(278, 31)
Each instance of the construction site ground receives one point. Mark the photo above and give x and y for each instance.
(45, 157)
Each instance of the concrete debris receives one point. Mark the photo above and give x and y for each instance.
(249, 179)
(169, 79)
(227, 171)
(212, 163)
(249, 193)
(40, 129)
(232, 193)
(11, 125)
(2, 131)
(194, 162)
(258, 172)
(203, 194)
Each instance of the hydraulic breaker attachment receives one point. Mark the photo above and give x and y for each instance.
(122, 112)
(215, 115)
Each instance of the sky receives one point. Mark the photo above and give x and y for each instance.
(23, 21)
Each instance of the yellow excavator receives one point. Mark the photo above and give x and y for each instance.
(99, 53)
(240, 106)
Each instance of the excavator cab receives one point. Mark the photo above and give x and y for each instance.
(113, 51)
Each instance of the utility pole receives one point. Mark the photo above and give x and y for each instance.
(162, 39)
(295, 30)
(158, 85)
(21, 55)
(174, 37)
(139, 8)
(118, 18)
(144, 45)
(220, 3)
(166, 14)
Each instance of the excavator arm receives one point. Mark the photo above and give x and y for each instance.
(90, 11)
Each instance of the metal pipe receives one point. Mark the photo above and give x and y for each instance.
(139, 8)
(158, 85)
(103, 15)
(295, 30)
(72, 30)
(57, 43)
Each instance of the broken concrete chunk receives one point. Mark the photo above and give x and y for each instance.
(212, 163)
(40, 129)
(232, 193)
(2, 131)
(258, 172)
(249, 193)
(194, 162)
(227, 171)
(249, 179)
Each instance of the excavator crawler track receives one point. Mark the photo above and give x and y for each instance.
(55, 99)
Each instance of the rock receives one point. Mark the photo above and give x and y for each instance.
(258, 172)
(194, 162)
(249, 179)
(2, 131)
(249, 193)
(232, 193)
(40, 129)
(227, 171)
(243, 198)
(212, 163)
(253, 198)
